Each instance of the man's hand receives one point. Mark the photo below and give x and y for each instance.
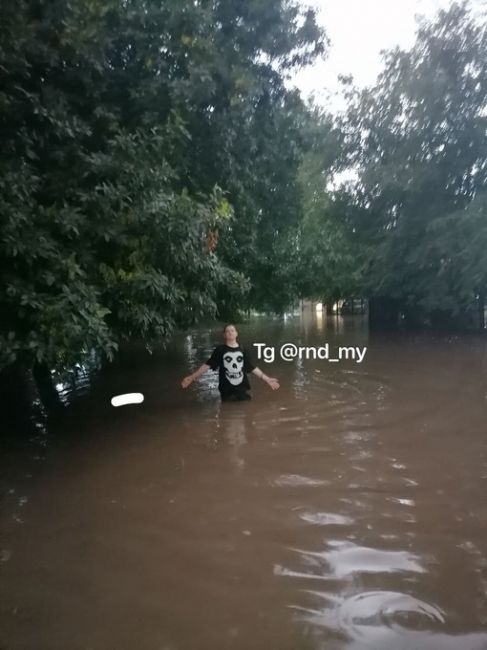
(187, 381)
(273, 383)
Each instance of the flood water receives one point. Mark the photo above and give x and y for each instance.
(346, 510)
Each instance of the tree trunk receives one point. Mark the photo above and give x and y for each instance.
(444, 321)
(413, 317)
(329, 307)
(45, 386)
(383, 313)
(17, 399)
(481, 311)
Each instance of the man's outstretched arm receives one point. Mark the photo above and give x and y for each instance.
(190, 378)
(272, 381)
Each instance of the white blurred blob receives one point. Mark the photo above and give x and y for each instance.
(127, 398)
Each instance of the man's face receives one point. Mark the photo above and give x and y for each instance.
(231, 333)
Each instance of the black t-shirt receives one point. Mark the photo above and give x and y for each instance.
(233, 364)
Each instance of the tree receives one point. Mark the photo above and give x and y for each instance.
(121, 120)
(328, 256)
(418, 139)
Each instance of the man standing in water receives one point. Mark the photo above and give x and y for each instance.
(234, 363)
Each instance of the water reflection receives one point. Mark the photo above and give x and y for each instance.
(232, 425)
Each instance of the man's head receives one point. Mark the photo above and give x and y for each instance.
(230, 334)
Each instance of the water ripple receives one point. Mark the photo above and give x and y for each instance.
(325, 518)
(346, 558)
(297, 480)
(386, 620)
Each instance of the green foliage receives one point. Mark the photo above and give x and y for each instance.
(119, 124)
(419, 141)
(120, 256)
(327, 264)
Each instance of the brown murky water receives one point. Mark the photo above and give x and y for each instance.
(346, 510)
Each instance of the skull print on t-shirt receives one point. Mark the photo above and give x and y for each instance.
(233, 364)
